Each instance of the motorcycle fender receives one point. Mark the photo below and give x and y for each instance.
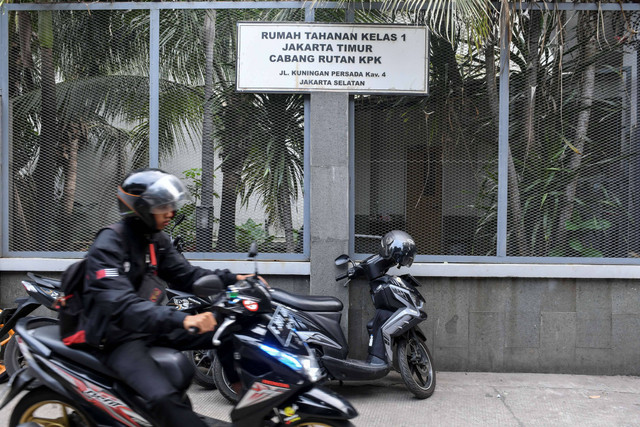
(24, 309)
(19, 381)
(419, 333)
(320, 402)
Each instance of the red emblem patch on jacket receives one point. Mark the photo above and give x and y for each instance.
(106, 272)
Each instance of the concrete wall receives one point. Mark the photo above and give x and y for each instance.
(577, 326)
(571, 326)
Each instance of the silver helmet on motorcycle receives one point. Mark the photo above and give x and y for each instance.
(145, 192)
(398, 246)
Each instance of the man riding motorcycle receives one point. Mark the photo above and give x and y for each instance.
(122, 293)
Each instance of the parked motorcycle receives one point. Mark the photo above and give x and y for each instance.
(278, 371)
(41, 291)
(395, 339)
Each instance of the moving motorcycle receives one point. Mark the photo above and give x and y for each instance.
(43, 291)
(278, 371)
(395, 339)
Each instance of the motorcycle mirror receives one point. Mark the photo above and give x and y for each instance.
(178, 219)
(253, 250)
(253, 253)
(208, 285)
(342, 259)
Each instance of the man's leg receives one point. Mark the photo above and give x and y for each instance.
(181, 340)
(132, 363)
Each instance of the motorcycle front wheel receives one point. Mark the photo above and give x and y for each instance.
(13, 358)
(222, 383)
(47, 408)
(202, 361)
(416, 367)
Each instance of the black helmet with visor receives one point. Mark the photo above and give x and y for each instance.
(398, 246)
(145, 192)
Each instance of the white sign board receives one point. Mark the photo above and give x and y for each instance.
(307, 57)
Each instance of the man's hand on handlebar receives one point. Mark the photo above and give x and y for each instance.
(240, 277)
(204, 322)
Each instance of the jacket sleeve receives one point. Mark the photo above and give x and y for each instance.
(178, 272)
(111, 292)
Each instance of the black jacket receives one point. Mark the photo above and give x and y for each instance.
(115, 269)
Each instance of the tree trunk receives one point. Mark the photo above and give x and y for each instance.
(587, 41)
(231, 172)
(284, 212)
(44, 175)
(26, 58)
(233, 154)
(204, 213)
(533, 63)
(74, 136)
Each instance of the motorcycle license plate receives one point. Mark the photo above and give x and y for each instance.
(283, 326)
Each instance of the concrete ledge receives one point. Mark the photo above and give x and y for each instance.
(240, 267)
(302, 268)
(551, 271)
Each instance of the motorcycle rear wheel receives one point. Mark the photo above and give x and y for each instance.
(5, 340)
(45, 407)
(416, 367)
(203, 363)
(13, 358)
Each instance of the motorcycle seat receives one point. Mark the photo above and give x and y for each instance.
(306, 302)
(49, 335)
(177, 367)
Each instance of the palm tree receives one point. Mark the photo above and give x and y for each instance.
(275, 171)
(243, 134)
(102, 63)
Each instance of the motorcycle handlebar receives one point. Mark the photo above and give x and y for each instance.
(342, 276)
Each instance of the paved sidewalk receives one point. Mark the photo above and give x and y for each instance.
(476, 399)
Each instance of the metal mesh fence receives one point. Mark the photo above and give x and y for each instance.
(430, 166)
(81, 117)
(79, 97)
(81, 121)
(573, 151)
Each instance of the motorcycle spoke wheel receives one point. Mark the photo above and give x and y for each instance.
(222, 383)
(202, 360)
(4, 341)
(47, 409)
(13, 358)
(416, 367)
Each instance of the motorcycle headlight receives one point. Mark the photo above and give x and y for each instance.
(306, 365)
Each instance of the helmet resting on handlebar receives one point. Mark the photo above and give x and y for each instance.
(398, 246)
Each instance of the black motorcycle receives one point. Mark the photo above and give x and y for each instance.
(395, 339)
(278, 372)
(41, 291)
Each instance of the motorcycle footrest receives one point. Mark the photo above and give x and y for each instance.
(353, 369)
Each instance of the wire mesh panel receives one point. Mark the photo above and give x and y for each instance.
(427, 165)
(79, 95)
(82, 114)
(573, 152)
(241, 154)
(81, 121)
(407, 177)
